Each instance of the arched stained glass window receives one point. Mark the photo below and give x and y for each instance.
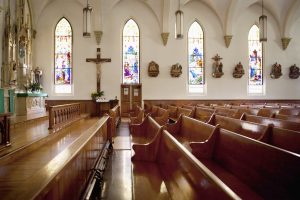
(255, 84)
(195, 58)
(63, 57)
(131, 53)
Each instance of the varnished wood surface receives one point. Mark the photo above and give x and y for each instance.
(25, 174)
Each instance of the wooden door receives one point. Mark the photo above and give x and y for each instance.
(131, 95)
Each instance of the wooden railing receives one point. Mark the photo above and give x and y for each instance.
(4, 129)
(63, 114)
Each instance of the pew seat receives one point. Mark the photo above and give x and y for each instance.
(203, 114)
(161, 117)
(144, 132)
(252, 169)
(165, 175)
(187, 130)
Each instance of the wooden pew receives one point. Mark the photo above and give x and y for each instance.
(187, 130)
(203, 114)
(144, 132)
(267, 112)
(248, 129)
(174, 114)
(152, 111)
(173, 173)
(241, 111)
(292, 118)
(58, 170)
(138, 118)
(252, 169)
(63, 115)
(276, 122)
(226, 112)
(289, 111)
(161, 117)
(115, 114)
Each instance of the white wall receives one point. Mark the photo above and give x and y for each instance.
(164, 86)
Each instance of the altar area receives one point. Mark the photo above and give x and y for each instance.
(30, 103)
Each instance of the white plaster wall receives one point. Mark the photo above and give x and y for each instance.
(164, 86)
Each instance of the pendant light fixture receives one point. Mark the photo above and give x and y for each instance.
(262, 25)
(87, 11)
(179, 23)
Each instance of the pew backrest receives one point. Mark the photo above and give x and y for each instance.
(289, 111)
(276, 122)
(248, 129)
(292, 118)
(203, 114)
(267, 112)
(226, 112)
(162, 116)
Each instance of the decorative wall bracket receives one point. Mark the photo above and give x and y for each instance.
(276, 71)
(238, 71)
(217, 67)
(98, 36)
(285, 42)
(153, 69)
(227, 39)
(176, 70)
(165, 37)
(294, 72)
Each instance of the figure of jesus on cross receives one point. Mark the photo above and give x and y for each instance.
(98, 62)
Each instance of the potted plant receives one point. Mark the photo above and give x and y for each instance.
(35, 87)
(97, 95)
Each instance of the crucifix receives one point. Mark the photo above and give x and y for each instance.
(98, 62)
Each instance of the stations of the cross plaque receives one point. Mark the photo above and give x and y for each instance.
(98, 62)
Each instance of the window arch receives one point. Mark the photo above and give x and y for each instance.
(255, 55)
(131, 53)
(195, 59)
(63, 57)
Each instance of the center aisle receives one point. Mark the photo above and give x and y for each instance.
(118, 183)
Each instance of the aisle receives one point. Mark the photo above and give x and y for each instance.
(118, 183)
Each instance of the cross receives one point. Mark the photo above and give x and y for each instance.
(98, 62)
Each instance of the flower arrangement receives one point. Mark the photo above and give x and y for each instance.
(34, 87)
(96, 95)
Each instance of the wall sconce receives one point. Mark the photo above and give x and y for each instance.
(263, 25)
(87, 11)
(179, 23)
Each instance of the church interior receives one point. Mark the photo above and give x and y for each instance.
(149, 99)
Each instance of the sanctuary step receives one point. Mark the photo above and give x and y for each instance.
(19, 167)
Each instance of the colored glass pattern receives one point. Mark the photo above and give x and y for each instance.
(63, 53)
(131, 53)
(195, 58)
(255, 61)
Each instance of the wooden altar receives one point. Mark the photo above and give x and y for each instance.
(30, 103)
(103, 106)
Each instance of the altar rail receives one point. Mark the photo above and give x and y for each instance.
(61, 115)
(4, 129)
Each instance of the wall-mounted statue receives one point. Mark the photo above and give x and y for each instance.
(238, 71)
(153, 69)
(217, 67)
(176, 70)
(294, 72)
(276, 71)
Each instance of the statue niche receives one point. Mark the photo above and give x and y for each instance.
(153, 69)
(176, 70)
(238, 71)
(294, 72)
(276, 71)
(217, 67)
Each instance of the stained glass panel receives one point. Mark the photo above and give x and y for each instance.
(195, 58)
(131, 53)
(63, 53)
(255, 61)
